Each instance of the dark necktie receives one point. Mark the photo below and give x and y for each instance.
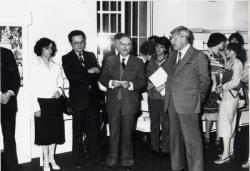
(81, 58)
(178, 57)
(123, 63)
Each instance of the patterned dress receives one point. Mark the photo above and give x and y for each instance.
(217, 64)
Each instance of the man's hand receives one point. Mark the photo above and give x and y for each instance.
(5, 97)
(37, 113)
(94, 70)
(56, 95)
(160, 88)
(116, 83)
(125, 84)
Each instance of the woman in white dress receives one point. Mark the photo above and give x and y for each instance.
(229, 102)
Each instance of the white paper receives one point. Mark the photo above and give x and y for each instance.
(159, 77)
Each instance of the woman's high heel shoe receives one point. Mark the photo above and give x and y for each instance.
(46, 166)
(222, 161)
(54, 165)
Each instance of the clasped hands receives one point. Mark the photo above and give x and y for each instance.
(117, 83)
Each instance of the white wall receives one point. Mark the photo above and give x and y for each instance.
(53, 19)
(219, 15)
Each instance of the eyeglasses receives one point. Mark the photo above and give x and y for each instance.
(78, 43)
(125, 44)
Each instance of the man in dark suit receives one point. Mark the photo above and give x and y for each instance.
(186, 88)
(124, 77)
(82, 71)
(10, 84)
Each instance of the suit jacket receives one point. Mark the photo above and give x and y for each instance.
(187, 82)
(82, 84)
(134, 72)
(10, 78)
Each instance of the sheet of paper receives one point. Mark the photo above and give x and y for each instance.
(159, 77)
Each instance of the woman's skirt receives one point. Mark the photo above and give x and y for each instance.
(49, 128)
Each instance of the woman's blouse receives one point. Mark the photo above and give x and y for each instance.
(236, 66)
(45, 81)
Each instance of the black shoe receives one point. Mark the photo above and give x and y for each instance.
(128, 168)
(77, 165)
(107, 167)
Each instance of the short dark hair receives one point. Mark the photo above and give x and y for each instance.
(76, 33)
(188, 33)
(44, 43)
(117, 36)
(237, 48)
(153, 38)
(165, 42)
(147, 48)
(238, 37)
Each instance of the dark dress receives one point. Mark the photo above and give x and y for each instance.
(49, 128)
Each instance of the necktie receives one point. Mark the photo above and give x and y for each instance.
(123, 63)
(81, 58)
(178, 57)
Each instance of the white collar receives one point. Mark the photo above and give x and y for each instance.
(126, 58)
(184, 50)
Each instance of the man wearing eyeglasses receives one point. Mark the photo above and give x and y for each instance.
(186, 88)
(124, 77)
(82, 71)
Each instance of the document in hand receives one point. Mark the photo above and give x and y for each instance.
(159, 77)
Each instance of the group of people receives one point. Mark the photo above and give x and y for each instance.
(194, 85)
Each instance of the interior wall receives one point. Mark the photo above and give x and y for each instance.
(218, 15)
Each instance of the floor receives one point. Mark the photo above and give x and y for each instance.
(146, 161)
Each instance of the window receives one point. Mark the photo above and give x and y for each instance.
(129, 17)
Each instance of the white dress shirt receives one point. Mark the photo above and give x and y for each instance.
(183, 52)
(45, 81)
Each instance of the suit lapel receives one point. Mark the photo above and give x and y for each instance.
(116, 66)
(184, 60)
(129, 65)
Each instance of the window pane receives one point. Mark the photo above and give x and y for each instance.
(98, 23)
(119, 23)
(143, 19)
(119, 6)
(113, 23)
(105, 23)
(134, 48)
(105, 5)
(98, 5)
(113, 6)
(135, 18)
(128, 18)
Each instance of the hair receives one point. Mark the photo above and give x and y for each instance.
(238, 37)
(76, 33)
(44, 43)
(148, 48)
(125, 35)
(185, 31)
(153, 38)
(165, 42)
(117, 36)
(237, 48)
(215, 39)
